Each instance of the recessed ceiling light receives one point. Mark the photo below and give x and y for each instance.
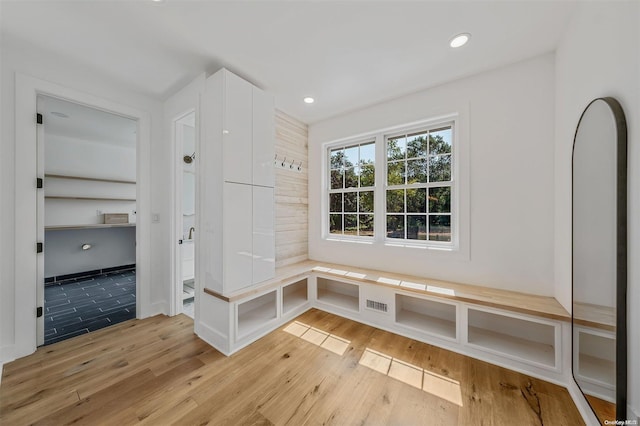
(59, 114)
(460, 40)
(309, 100)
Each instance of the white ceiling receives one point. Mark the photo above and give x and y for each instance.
(86, 124)
(346, 54)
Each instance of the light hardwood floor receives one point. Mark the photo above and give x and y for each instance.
(156, 371)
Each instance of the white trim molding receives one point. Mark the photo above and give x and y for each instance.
(27, 90)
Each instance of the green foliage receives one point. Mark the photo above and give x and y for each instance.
(440, 168)
(335, 223)
(350, 202)
(395, 226)
(417, 146)
(366, 225)
(395, 149)
(417, 227)
(367, 175)
(440, 228)
(335, 202)
(417, 200)
(350, 224)
(414, 163)
(366, 202)
(395, 173)
(440, 200)
(395, 201)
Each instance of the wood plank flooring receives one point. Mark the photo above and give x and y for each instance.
(322, 370)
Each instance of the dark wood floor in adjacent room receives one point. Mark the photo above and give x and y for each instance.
(340, 372)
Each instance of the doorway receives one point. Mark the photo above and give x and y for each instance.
(186, 168)
(86, 218)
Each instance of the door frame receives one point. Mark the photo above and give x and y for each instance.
(182, 103)
(26, 259)
(175, 300)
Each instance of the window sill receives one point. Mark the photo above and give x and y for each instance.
(424, 246)
(358, 240)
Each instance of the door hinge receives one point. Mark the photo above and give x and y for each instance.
(39, 118)
(39, 248)
(39, 183)
(38, 311)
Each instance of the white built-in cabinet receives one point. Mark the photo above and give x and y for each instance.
(237, 179)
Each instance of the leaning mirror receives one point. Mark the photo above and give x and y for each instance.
(600, 258)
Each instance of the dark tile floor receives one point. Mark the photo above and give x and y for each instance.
(81, 305)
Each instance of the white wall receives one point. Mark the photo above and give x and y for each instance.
(70, 156)
(18, 56)
(510, 136)
(599, 56)
(110, 247)
(66, 156)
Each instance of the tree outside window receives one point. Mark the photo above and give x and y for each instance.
(351, 189)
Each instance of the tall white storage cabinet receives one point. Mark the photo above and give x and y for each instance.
(237, 179)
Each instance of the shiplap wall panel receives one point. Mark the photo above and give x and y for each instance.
(291, 191)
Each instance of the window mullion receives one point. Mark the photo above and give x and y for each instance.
(379, 195)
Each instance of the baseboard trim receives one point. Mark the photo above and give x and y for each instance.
(214, 338)
(59, 279)
(633, 414)
(158, 308)
(581, 404)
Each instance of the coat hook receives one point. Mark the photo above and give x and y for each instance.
(283, 161)
(300, 166)
(291, 165)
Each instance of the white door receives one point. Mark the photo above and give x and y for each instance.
(237, 236)
(237, 133)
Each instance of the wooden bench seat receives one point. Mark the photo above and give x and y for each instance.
(541, 306)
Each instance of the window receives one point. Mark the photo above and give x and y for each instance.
(419, 185)
(351, 189)
(413, 198)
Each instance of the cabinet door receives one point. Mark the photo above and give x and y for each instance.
(264, 243)
(263, 138)
(238, 238)
(237, 132)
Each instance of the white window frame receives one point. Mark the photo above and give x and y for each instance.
(459, 247)
(327, 190)
(453, 184)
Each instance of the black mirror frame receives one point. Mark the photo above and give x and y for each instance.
(621, 254)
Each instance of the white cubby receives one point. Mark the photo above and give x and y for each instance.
(254, 313)
(527, 340)
(596, 358)
(294, 295)
(339, 294)
(426, 316)
(521, 341)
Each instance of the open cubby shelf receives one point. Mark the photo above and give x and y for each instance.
(510, 345)
(596, 357)
(426, 315)
(254, 313)
(514, 337)
(598, 370)
(294, 295)
(526, 339)
(339, 294)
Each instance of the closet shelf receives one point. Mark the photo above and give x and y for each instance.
(88, 226)
(88, 178)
